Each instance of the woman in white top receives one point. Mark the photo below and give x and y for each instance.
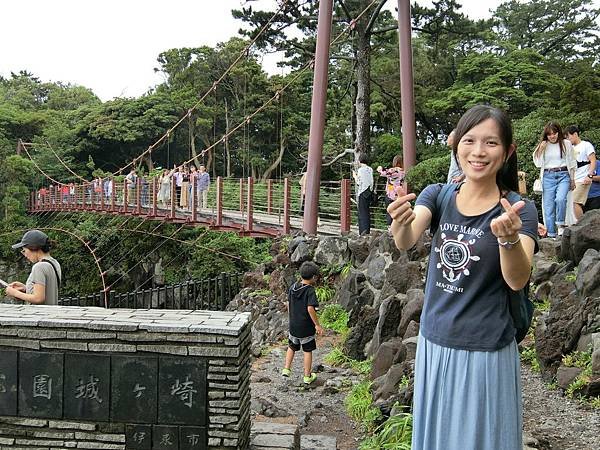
(554, 156)
(364, 189)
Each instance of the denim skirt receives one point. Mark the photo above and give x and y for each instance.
(467, 400)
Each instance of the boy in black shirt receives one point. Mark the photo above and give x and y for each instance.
(304, 323)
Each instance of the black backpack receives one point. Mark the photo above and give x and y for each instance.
(520, 306)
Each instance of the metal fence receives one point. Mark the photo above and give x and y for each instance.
(210, 294)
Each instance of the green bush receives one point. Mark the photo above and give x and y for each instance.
(434, 170)
(335, 318)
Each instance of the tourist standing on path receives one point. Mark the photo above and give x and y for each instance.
(303, 320)
(44, 280)
(586, 168)
(467, 393)
(455, 173)
(395, 182)
(555, 158)
(203, 185)
(364, 190)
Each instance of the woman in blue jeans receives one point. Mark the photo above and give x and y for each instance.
(555, 157)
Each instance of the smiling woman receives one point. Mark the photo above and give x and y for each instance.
(45, 277)
(482, 247)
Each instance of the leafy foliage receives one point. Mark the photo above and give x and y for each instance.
(359, 405)
(394, 434)
(335, 318)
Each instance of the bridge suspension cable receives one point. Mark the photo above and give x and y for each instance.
(208, 92)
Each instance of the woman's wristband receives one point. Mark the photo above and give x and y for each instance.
(508, 244)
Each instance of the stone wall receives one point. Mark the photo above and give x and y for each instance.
(212, 345)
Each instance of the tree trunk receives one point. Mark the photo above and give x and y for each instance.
(272, 167)
(192, 131)
(227, 150)
(363, 87)
(147, 159)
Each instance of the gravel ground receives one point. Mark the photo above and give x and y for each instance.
(554, 421)
(318, 409)
(551, 421)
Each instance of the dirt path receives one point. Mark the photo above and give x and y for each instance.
(318, 409)
(554, 422)
(557, 422)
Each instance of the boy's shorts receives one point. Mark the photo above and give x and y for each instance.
(308, 344)
(580, 194)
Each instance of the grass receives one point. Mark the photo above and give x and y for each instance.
(583, 360)
(324, 293)
(359, 406)
(335, 318)
(394, 434)
(544, 305)
(260, 293)
(338, 358)
(529, 356)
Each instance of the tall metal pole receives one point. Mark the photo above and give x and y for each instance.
(406, 84)
(317, 118)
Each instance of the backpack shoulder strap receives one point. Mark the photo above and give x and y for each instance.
(441, 202)
(58, 280)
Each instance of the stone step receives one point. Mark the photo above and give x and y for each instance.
(274, 436)
(317, 442)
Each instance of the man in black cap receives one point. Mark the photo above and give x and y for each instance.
(44, 280)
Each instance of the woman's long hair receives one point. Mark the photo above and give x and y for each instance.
(554, 127)
(506, 178)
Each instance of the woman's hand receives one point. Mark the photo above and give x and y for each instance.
(508, 225)
(17, 285)
(400, 210)
(572, 184)
(11, 291)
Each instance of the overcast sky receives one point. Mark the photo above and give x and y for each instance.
(111, 46)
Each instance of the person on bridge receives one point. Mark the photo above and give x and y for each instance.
(395, 182)
(44, 280)
(164, 192)
(364, 191)
(467, 392)
(185, 182)
(203, 183)
(303, 321)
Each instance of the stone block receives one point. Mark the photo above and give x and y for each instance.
(90, 335)
(231, 352)
(22, 343)
(167, 349)
(274, 441)
(117, 438)
(78, 346)
(66, 425)
(112, 348)
(112, 326)
(33, 333)
(315, 442)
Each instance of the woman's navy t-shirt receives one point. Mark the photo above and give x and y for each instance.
(466, 304)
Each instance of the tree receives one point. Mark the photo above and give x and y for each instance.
(560, 29)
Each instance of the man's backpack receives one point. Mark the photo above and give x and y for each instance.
(519, 304)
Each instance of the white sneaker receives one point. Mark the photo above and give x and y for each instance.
(560, 230)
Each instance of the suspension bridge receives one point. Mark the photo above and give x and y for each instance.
(267, 208)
